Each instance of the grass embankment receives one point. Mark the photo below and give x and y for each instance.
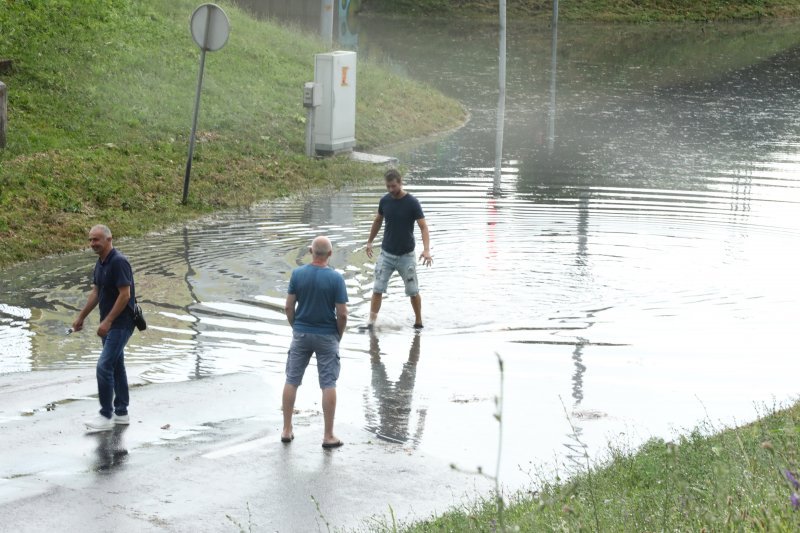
(742, 479)
(600, 10)
(100, 103)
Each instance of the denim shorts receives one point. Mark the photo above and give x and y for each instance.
(326, 347)
(405, 265)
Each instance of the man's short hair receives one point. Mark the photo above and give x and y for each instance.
(321, 246)
(103, 229)
(392, 175)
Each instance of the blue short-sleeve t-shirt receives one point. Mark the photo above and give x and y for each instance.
(399, 215)
(108, 276)
(318, 290)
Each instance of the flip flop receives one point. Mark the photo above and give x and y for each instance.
(287, 440)
(331, 445)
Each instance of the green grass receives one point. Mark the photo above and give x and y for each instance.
(713, 479)
(99, 113)
(599, 10)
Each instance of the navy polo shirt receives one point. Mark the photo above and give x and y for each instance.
(108, 276)
(400, 216)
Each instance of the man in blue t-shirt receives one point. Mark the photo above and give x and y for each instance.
(316, 308)
(114, 292)
(400, 209)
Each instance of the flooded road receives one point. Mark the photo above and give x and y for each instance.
(632, 264)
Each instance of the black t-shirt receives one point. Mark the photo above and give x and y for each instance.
(108, 276)
(399, 215)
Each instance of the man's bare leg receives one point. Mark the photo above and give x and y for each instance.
(328, 412)
(289, 396)
(416, 305)
(375, 307)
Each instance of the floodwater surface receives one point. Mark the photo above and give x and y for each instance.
(631, 263)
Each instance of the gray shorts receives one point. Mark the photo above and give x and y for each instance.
(405, 265)
(326, 347)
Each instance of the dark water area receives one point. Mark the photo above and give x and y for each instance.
(632, 262)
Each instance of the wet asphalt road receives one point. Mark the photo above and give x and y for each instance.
(200, 455)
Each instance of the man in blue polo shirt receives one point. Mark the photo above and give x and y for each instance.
(316, 308)
(113, 291)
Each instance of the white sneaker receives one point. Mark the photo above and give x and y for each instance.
(99, 423)
(121, 420)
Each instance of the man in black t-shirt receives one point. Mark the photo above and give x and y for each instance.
(400, 209)
(114, 292)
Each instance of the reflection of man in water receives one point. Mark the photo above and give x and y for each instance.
(394, 399)
(111, 451)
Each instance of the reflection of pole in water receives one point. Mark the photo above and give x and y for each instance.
(551, 118)
(196, 322)
(394, 400)
(581, 258)
(741, 186)
(580, 369)
(501, 99)
(491, 236)
(741, 194)
(576, 450)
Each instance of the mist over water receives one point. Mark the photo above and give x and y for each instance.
(633, 266)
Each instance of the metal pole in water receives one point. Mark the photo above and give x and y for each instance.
(501, 99)
(551, 122)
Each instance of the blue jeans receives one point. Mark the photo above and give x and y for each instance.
(112, 380)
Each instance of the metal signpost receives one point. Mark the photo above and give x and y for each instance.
(210, 29)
